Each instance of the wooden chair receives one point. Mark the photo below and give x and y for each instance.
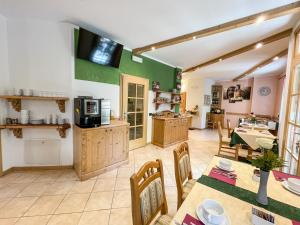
(209, 121)
(183, 172)
(148, 195)
(224, 145)
(229, 130)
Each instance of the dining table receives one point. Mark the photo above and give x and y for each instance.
(238, 199)
(241, 136)
(255, 126)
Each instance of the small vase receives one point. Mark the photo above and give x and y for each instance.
(262, 196)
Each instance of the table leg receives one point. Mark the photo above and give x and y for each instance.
(250, 152)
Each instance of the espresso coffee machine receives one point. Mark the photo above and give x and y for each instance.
(90, 112)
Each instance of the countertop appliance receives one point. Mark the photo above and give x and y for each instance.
(90, 112)
(87, 112)
(105, 111)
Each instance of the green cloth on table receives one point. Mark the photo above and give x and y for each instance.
(236, 139)
(274, 206)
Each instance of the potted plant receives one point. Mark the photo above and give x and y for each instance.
(268, 161)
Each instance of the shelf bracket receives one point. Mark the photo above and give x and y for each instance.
(61, 105)
(62, 132)
(17, 132)
(15, 103)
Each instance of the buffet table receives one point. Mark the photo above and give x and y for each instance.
(239, 199)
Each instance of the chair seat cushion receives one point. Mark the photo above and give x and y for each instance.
(187, 187)
(163, 220)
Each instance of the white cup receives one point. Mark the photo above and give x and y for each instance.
(54, 119)
(225, 163)
(18, 91)
(213, 212)
(48, 119)
(60, 120)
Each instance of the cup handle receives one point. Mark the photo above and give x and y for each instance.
(209, 217)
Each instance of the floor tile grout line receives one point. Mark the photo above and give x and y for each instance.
(87, 201)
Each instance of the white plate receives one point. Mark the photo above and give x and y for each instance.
(199, 213)
(286, 186)
(225, 169)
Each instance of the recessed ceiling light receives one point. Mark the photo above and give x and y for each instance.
(260, 19)
(259, 45)
(275, 58)
(194, 37)
(220, 60)
(153, 48)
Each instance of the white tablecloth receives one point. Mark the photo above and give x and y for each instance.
(249, 136)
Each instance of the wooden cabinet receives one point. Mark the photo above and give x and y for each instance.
(97, 150)
(215, 118)
(169, 131)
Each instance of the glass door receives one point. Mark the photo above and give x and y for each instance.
(134, 107)
(292, 128)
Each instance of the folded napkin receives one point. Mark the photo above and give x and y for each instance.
(189, 220)
(221, 175)
(295, 222)
(280, 176)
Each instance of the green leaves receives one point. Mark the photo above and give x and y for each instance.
(268, 161)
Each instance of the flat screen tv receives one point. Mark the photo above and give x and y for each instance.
(98, 49)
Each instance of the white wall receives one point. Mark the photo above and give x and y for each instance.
(4, 83)
(195, 89)
(40, 58)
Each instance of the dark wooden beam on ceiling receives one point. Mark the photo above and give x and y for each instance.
(261, 64)
(244, 49)
(255, 18)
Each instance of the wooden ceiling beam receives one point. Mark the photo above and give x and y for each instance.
(261, 64)
(255, 18)
(244, 49)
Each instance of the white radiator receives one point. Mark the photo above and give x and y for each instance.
(42, 151)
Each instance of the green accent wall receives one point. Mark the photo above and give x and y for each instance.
(150, 69)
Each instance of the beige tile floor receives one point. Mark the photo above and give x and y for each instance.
(57, 197)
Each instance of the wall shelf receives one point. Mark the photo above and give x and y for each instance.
(16, 101)
(157, 104)
(17, 129)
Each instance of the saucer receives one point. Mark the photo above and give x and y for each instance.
(199, 213)
(225, 169)
(286, 186)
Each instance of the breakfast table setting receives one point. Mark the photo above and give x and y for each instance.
(227, 193)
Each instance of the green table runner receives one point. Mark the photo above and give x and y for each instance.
(274, 206)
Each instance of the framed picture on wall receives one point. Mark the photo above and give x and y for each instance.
(207, 99)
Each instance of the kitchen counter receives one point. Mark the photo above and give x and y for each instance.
(100, 149)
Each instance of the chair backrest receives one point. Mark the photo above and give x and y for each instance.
(228, 128)
(148, 193)
(182, 166)
(220, 131)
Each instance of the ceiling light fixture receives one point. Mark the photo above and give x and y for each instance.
(260, 19)
(194, 37)
(258, 45)
(275, 58)
(153, 48)
(220, 60)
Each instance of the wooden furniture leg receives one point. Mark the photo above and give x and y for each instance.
(250, 152)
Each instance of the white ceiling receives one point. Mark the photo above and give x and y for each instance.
(135, 23)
